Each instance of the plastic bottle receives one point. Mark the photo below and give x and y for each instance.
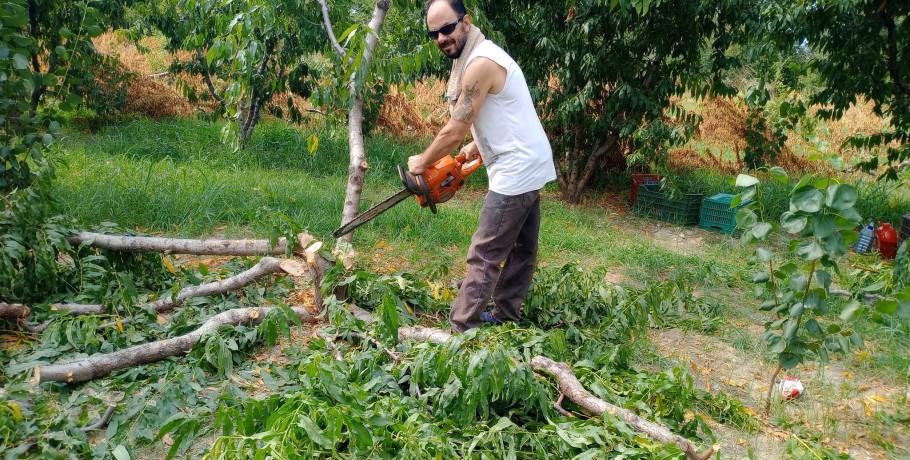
(887, 241)
(866, 238)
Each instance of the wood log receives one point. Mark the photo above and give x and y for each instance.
(575, 391)
(266, 266)
(424, 334)
(216, 247)
(13, 310)
(102, 364)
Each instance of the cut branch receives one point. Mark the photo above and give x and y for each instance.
(100, 365)
(216, 247)
(13, 310)
(573, 389)
(102, 422)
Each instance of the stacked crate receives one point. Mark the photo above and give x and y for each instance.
(717, 215)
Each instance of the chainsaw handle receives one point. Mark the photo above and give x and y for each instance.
(467, 168)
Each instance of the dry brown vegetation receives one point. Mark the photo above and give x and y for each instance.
(418, 111)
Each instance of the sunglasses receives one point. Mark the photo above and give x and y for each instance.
(444, 30)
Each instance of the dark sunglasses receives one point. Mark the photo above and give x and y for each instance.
(444, 30)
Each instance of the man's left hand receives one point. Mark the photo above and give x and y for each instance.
(416, 165)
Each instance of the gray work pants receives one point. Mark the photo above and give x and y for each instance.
(501, 260)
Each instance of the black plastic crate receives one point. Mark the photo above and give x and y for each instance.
(652, 202)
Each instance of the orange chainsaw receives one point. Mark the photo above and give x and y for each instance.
(437, 184)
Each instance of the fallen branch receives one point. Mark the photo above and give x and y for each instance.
(573, 389)
(216, 247)
(868, 297)
(13, 310)
(424, 334)
(266, 266)
(570, 387)
(102, 364)
(102, 422)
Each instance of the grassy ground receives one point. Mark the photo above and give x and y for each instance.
(175, 178)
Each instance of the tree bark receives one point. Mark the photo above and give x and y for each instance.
(13, 310)
(358, 159)
(573, 389)
(216, 247)
(100, 365)
(265, 267)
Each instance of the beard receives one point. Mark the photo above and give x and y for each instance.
(455, 53)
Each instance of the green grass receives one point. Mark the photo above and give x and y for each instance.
(175, 178)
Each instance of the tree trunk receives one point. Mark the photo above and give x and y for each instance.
(358, 159)
(215, 247)
(100, 365)
(573, 389)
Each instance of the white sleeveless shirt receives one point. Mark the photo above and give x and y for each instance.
(512, 142)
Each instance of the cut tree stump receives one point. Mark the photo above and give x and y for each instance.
(13, 310)
(100, 365)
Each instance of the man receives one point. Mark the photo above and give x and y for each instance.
(488, 94)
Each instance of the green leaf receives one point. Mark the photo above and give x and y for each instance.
(886, 306)
(761, 230)
(790, 329)
(807, 200)
(120, 453)
(763, 254)
(841, 196)
(745, 180)
(312, 143)
(778, 174)
(810, 250)
(793, 222)
(850, 312)
(761, 277)
(823, 226)
(796, 310)
(20, 62)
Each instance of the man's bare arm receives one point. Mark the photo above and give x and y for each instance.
(478, 79)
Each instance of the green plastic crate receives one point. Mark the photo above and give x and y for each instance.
(717, 215)
(651, 202)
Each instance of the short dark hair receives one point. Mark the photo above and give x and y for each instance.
(456, 5)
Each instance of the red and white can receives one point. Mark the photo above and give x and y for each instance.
(790, 388)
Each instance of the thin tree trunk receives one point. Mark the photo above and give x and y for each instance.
(358, 160)
(100, 365)
(573, 389)
(216, 247)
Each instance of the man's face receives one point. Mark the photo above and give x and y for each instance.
(439, 15)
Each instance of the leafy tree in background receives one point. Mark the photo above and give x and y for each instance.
(257, 48)
(859, 48)
(47, 64)
(602, 70)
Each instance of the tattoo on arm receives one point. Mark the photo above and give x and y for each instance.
(464, 108)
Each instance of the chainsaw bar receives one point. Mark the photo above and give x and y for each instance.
(369, 214)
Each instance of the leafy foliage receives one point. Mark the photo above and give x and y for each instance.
(821, 210)
(844, 37)
(601, 70)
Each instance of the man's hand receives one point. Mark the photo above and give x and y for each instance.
(416, 165)
(469, 151)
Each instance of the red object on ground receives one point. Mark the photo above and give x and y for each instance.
(642, 179)
(887, 240)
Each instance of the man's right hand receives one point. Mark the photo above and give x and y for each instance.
(469, 151)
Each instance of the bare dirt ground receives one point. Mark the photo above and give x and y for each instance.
(834, 403)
